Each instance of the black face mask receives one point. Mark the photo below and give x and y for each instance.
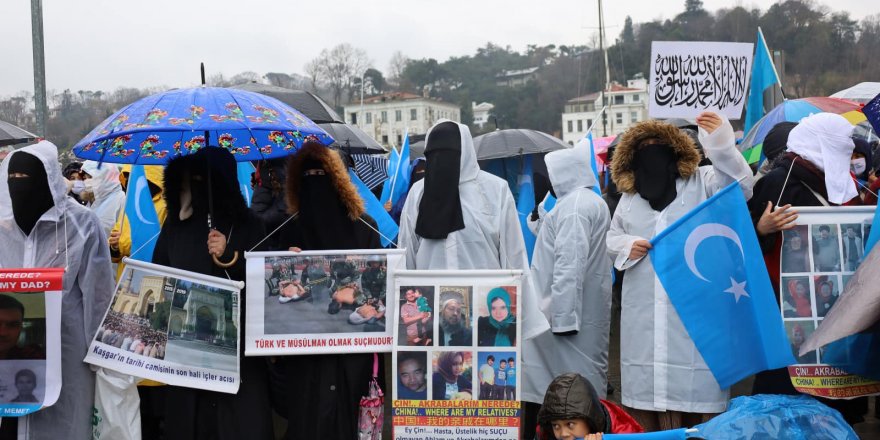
(323, 217)
(656, 168)
(31, 196)
(440, 207)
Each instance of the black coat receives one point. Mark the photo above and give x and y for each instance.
(439, 384)
(461, 338)
(198, 414)
(319, 394)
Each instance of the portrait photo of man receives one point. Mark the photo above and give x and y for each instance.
(455, 316)
(12, 313)
(411, 374)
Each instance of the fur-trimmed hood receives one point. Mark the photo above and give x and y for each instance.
(685, 149)
(335, 169)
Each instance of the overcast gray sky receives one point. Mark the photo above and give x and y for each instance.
(105, 44)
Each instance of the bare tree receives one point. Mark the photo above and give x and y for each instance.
(396, 67)
(338, 67)
(313, 72)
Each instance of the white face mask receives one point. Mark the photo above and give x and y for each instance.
(78, 187)
(858, 166)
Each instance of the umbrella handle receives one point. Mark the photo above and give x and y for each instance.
(225, 265)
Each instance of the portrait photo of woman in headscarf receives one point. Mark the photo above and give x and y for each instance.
(796, 297)
(798, 332)
(452, 375)
(496, 326)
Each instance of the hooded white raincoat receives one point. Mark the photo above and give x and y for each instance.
(572, 276)
(661, 368)
(68, 234)
(109, 198)
(492, 237)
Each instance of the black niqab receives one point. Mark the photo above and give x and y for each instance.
(31, 196)
(323, 218)
(440, 207)
(776, 140)
(656, 169)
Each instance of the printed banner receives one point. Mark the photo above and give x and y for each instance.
(818, 258)
(30, 341)
(319, 301)
(457, 351)
(172, 326)
(688, 78)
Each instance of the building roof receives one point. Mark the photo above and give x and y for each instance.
(484, 106)
(615, 88)
(520, 72)
(395, 96)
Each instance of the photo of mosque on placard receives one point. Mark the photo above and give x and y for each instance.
(176, 320)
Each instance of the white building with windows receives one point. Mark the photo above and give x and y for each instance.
(387, 117)
(627, 106)
(481, 113)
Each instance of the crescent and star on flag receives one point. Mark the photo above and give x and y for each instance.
(701, 233)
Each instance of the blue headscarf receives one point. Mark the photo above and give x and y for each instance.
(501, 338)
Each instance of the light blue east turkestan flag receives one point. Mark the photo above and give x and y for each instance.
(711, 266)
(526, 202)
(143, 221)
(245, 169)
(763, 76)
(673, 434)
(874, 235)
(387, 228)
(398, 174)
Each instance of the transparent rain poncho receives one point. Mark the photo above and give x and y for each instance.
(67, 235)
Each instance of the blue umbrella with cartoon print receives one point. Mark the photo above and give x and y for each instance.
(180, 122)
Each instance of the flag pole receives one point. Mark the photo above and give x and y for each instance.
(772, 63)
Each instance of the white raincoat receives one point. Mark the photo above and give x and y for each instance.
(572, 274)
(109, 198)
(492, 237)
(70, 234)
(661, 368)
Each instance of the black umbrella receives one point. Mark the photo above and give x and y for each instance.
(309, 104)
(515, 142)
(349, 138)
(10, 134)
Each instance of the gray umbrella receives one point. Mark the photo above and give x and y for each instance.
(515, 142)
(352, 139)
(10, 134)
(309, 104)
(348, 137)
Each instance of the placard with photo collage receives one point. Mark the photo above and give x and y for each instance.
(456, 357)
(818, 257)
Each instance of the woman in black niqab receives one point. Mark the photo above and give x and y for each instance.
(319, 394)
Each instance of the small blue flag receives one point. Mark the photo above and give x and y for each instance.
(674, 434)
(143, 221)
(398, 171)
(872, 112)
(763, 76)
(526, 202)
(244, 181)
(711, 266)
(387, 228)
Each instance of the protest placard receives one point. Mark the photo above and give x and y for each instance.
(457, 351)
(172, 326)
(688, 78)
(818, 258)
(319, 302)
(30, 347)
